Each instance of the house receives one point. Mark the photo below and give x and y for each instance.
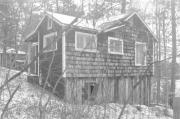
(98, 62)
(12, 59)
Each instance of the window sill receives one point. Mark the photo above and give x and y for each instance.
(116, 53)
(49, 51)
(84, 50)
(139, 65)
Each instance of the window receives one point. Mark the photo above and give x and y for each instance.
(115, 46)
(140, 54)
(50, 42)
(85, 42)
(49, 24)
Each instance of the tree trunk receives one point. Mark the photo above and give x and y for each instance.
(158, 52)
(57, 6)
(165, 69)
(173, 22)
(123, 9)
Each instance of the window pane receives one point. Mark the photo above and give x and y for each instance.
(116, 46)
(90, 43)
(80, 41)
(86, 41)
(50, 43)
(140, 54)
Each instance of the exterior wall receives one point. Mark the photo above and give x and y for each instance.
(44, 60)
(104, 64)
(74, 90)
(115, 74)
(109, 90)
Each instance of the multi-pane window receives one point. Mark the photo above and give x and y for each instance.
(85, 42)
(115, 45)
(140, 54)
(50, 42)
(49, 24)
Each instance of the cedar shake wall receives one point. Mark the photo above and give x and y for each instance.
(104, 64)
(115, 74)
(45, 59)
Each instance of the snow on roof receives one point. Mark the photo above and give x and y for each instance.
(102, 24)
(12, 50)
(84, 23)
(64, 19)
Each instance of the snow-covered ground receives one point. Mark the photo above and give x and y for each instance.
(25, 105)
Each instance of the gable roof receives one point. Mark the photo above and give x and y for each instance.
(103, 24)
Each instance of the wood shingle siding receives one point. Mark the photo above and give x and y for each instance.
(88, 64)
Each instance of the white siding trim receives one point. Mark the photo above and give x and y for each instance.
(113, 38)
(145, 55)
(35, 46)
(64, 54)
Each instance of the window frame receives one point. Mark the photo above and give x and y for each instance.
(35, 45)
(84, 49)
(49, 23)
(117, 39)
(145, 62)
(47, 36)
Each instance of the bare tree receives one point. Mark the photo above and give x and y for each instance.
(123, 9)
(173, 70)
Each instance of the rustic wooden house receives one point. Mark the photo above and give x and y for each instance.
(12, 58)
(98, 62)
